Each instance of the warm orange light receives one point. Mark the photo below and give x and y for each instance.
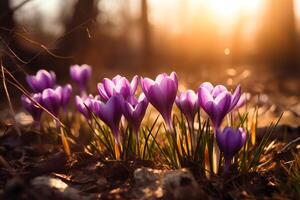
(231, 8)
(227, 52)
(224, 13)
(227, 12)
(224, 8)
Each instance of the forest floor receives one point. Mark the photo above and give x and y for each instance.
(34, 166)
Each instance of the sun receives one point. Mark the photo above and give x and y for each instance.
(228, 9)
(224, 8)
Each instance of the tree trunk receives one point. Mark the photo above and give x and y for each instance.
(78, 30)
(146, 36)
(278, 43)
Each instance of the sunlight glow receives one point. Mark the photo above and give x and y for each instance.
(45, 13)
(228, 12)
(231, 8)
(223, 13)
(227, 52)
(225, 9)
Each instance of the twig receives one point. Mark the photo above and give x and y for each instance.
(4, 163)
(12, 52)
(43, 47)
(23, 90)
(281, 151)
(12, 111)
(289, 144)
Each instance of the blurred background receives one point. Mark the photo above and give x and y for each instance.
(252, 42)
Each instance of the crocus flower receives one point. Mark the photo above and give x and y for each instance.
(81, 74)
(42, 80)
(119, 85)
(51, 100)
(242, 101)
(230, 141)
(31, 107)
(110, 113)
(188, 104)
(84, 105)
(65, 94)
(161, 93)
(134, 111)
(217, 101)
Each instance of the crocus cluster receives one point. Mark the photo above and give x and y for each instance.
(117, 97)
(47, 94)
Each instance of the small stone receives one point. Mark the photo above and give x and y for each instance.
(145, 175)
(147, 183)
(55, 188)
(14, 189)
(181, 184)
(102, 181)
(164, 184)
(23, 118)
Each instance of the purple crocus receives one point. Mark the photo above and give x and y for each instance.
(65, 94)
(34, 110)
(51, 100)
(134, 111)
(161, 93)
(230, 141)
(188, 104)
(217, 101)
(242, 101)
(81, 74)
(42, 80)
(110, 113)
(84, 105)
(119, 85)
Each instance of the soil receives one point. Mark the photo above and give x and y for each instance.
(34, 166)
(26, 160)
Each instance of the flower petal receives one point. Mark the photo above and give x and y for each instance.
(208, 86)
(109, 87)
(235, 97)
(146, 84)
(134, 84)
(102, 93)
(204, 96)
(218, 90)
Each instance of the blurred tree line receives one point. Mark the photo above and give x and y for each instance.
(87, 41)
